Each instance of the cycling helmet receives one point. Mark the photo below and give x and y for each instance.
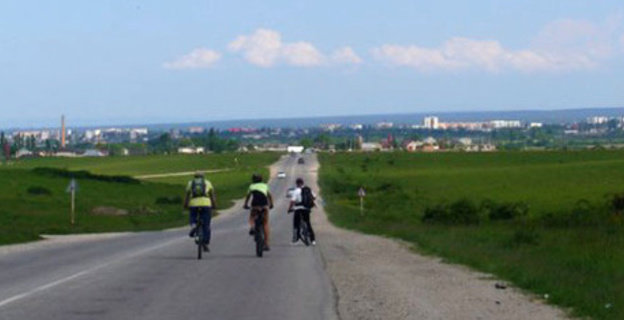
(256, 178)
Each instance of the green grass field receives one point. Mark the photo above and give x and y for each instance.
(569, 245)
(34, 202)
(153, 164)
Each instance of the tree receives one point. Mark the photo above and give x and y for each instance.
(322, 141)
(306, 142)
(7, 151)
(162, 144)
(32, 143)
(115, 149)
(212, 140)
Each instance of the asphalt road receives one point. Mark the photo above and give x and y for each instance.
(155, 275)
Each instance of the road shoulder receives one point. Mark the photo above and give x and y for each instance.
(380, 278)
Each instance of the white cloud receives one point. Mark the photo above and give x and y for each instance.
(488, 55)
(302, 54)
(265, 48)
(563, 45)
(196, 59)
(262, 48)
(345, 55)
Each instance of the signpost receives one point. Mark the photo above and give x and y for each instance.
(361, 194)
(71, 188)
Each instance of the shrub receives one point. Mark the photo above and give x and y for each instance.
(437, 213)
(617, 203)
(56, 172)
(39, 191)
(505, 210)
(386, 187)
(462, 212)
(583, 213)
(526, 236)
(169, 200)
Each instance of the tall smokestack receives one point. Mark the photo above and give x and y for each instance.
(62, 131)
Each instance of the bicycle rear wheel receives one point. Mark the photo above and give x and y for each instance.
(259, 241)
(199, 239)
(305, 233)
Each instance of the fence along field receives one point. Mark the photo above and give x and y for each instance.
(33, 200)
(550, 222)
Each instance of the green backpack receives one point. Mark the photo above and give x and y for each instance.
(198, 188)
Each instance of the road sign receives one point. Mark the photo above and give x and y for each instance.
(71, 188)
(361, 194)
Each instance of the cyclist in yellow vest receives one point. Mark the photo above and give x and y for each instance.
(201, 201)
(261, 201)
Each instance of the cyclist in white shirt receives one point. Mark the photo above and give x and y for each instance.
(301, 203)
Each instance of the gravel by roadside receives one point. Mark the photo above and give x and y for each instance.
(380, 278)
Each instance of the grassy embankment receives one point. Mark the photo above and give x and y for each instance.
(544, 221)
(34, 201)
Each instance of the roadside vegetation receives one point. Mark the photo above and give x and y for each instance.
(550, 222)
(33, 198)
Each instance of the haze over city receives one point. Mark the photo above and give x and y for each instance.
(117, 62)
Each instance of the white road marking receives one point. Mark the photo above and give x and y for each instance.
(82, 273)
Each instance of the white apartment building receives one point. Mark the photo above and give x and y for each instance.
(499, 124)
(597, 120)
(431, 122)
(384, 125)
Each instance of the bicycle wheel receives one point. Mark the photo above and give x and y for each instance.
(259, 239)
(199, 238)
(305, 233)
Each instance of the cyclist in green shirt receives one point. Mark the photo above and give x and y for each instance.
(261, 201)
(201, 201)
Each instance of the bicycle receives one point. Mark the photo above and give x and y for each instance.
(304, 231)
(259, 236)
(199, 238)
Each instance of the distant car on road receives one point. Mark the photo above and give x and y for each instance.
(281, 175)
(300, 161)
(289, 192)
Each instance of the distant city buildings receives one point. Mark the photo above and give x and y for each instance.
(191, 150)
(434, 123)
(331, 126)
(412, 135)
(196, 130)
(597, 120)
(356, 126)
(431, 123)
(505, 124)
(371, 146)
(384, 125)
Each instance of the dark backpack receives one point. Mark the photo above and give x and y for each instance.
(198, 188)
(307, 199)
(259, 199)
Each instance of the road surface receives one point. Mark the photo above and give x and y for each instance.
(155, 275)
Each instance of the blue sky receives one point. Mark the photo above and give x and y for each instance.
(114, 62)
